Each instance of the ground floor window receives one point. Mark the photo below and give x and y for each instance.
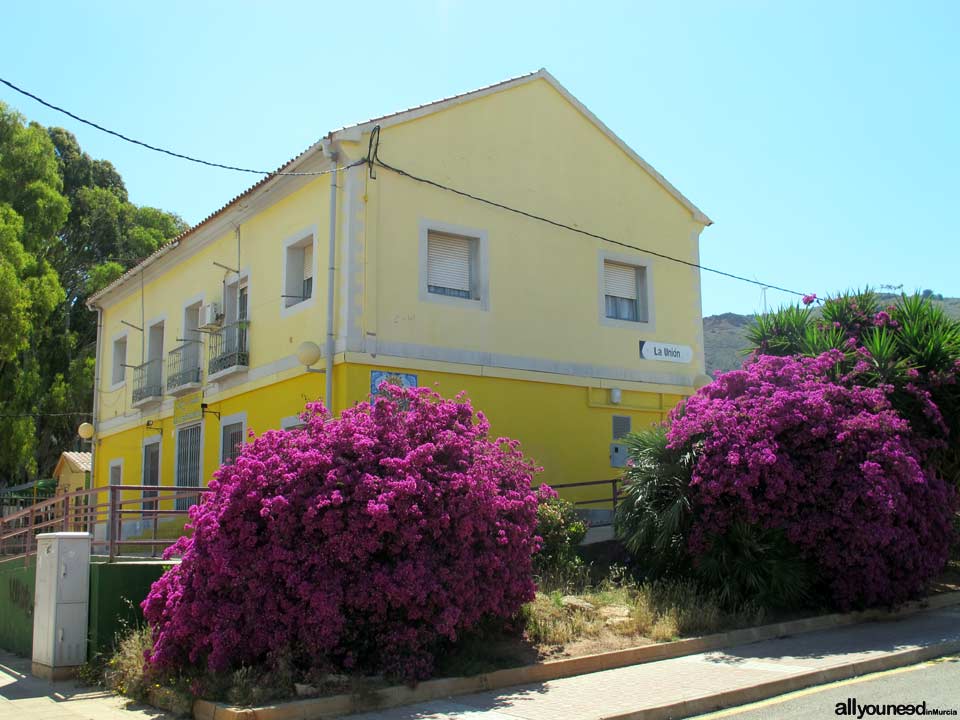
(189, 459)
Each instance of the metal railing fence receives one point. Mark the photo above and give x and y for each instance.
(102, 512)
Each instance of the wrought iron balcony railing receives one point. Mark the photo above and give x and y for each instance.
(148, 381)
(183, 367)
(230, 347)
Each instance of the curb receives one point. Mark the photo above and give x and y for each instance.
(764, 691)
(336, 705)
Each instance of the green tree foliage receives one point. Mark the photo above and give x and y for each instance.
(67, 228)
(561, 531)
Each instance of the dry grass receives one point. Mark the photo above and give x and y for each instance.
(659, 612)
(125, 671)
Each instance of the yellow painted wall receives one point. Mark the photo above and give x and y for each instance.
(531, 149)
(526, 146)
(272, 336)
(564, 428)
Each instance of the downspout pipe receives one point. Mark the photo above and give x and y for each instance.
(97, 368)
(331, 275)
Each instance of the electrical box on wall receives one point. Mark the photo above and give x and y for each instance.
(618, 455)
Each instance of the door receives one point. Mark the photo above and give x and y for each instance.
(151, 475)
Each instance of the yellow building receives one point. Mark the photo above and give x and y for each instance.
(563, 339)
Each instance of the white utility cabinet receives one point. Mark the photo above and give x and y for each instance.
(61, 603)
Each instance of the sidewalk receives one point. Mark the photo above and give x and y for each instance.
(668, 688)
(24, 697)
(682, 686)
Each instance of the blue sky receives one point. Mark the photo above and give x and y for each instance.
(821, 137)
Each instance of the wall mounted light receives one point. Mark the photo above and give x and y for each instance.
(308, 355)
(85, 431)
(615, 396)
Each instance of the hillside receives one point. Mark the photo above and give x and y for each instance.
(724, 336)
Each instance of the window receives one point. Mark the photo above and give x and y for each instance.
(119, 360)
(451, 265)
(298, 271)
(621, 426)
(189, 457)
(116, 472)
(624, 288)
(292, 422)
(151, 472)
(454, 268)
(231, 440)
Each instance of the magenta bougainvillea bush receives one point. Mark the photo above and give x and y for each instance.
(361, 542)
(787, 444)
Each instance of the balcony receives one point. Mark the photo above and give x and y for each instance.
(229, 349)
(183, 368)
(148, 382)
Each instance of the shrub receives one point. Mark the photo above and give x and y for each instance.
(785, 446)
(126, 671)
(560, 530)
(654, 513)
(360, 542)
(912, 346)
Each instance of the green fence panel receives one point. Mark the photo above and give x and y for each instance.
(17, 581)
(116, 591)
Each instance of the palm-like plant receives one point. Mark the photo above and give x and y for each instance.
(654, 513)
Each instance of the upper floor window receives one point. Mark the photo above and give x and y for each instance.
(625, 292)
(298, 269)
(453, 265)
(119, 360)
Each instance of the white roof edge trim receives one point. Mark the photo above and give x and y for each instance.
(172, 244)
(430, 108)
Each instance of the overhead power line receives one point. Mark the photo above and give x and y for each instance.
(571, 228)
(374, 159)
(44, 414)
(148, 146)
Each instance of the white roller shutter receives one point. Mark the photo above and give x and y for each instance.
(620, 280)
(448, 262)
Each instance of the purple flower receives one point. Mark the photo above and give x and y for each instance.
(363, 541)
(832, 464)
(809, 299)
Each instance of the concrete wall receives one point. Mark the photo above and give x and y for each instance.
(17, 581)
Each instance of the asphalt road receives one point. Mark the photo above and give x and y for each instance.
(936, 682)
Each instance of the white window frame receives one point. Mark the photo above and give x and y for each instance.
(635, 261)
(122, 335)
(291, 421)
(480, 270)
(298, 238)
(240, 417)
(118, 463)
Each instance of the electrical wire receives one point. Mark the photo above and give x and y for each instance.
(426, 181)
(148, 146)
(42, 414)
(373, 159)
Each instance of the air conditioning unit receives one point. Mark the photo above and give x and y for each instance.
(210, 316)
